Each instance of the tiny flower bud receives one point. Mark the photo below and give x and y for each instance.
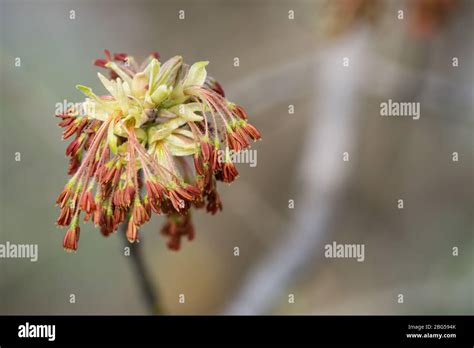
(132, 232)
(71, 238)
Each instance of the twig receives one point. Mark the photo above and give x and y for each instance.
(148, 290)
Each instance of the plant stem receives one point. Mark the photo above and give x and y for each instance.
(147, 289)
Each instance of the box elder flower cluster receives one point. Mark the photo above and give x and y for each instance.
(150, 145)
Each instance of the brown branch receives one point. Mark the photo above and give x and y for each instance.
(147, 289)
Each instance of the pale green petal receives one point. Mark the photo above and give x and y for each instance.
(184, 132)
(123, 75)
(112, 138)
(119, 129)
(196, 75)
(141, 134)
(152, 71)
(181, 145)
(95, 110)
(163, 157)
(139, 85)
(126, 89)
(140, 119)
(88, 92)
(169, 70)
(161, 93)
(121, 97)
(109, 85)
(164, 129)
(166, 113)
(188, 111)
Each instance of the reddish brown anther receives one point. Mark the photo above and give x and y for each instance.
(73, 147)
(66, 120)
(65, 216)
(216, 164)
(132, 231)
(229, 172)
(187, 192)
(176, 227)
(240, 112)
(206, 149)
(236, 141)
(74, 164)
(81, 125)
(118, 215)
(87, 202)
(155, 206)
(155, 190)
(140, 215)
(215, 86)
(129, 194)
(64, 196)
(71, 238)
(214, 203)
(251, 131)
(198, 165)
(178, 203)
(122, 57)
(97, 217)
(100, 62)
(70, 130)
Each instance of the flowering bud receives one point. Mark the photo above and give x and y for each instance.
(128, 156)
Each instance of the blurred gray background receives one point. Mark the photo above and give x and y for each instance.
(282, 62)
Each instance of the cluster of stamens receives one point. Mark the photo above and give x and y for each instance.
(153, 145)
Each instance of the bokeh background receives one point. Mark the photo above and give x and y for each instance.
(283, 62)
